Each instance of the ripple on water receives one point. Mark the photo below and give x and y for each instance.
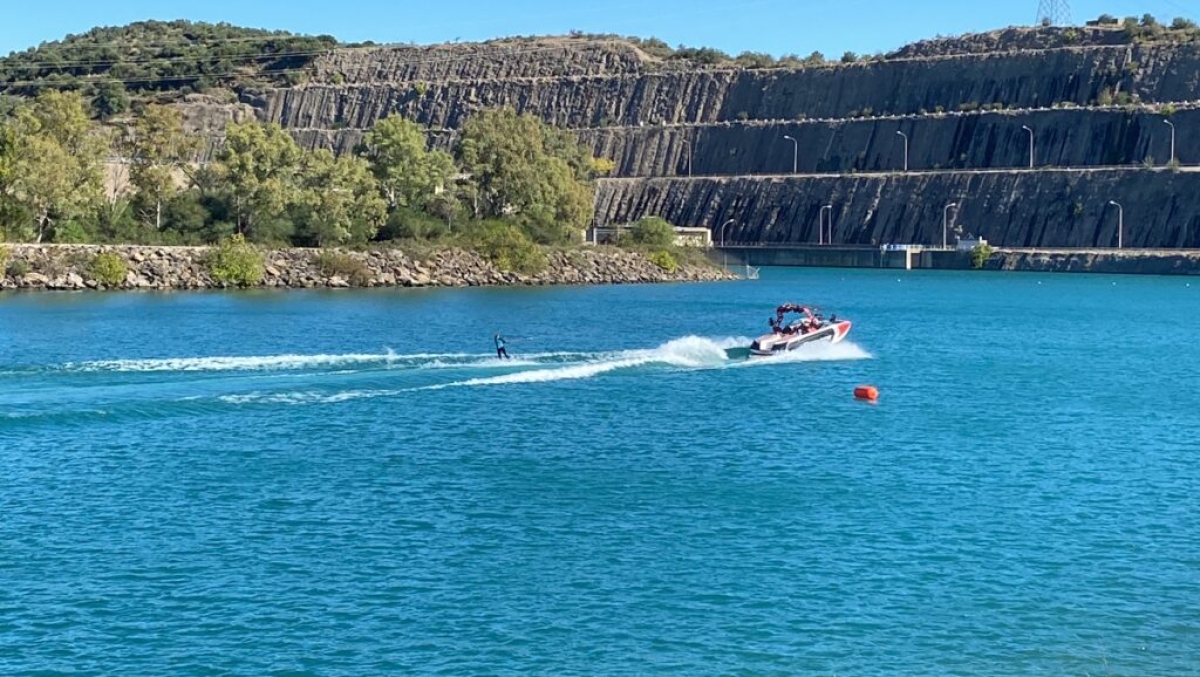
(359, 487)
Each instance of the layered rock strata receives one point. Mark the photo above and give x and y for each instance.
(1013, 208)
(964, 105)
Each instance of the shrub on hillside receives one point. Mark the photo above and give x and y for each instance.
(651, 232)
(509, 248)
(17, 268)
(406, 223)
(336, 264)
(235, 262)
(980, 254)
(665, 260)
(108, 268)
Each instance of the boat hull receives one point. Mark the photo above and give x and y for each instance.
(777, 344)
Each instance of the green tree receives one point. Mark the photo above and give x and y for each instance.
(521, 166)
(652, 232)
(409, 174)
(339, 200)
(55, 162)
(259, 164)
(156, 149)
(111, 99)
(8, 140)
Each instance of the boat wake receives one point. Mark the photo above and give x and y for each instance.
(691, 353)
(82, 391)
(388, 360)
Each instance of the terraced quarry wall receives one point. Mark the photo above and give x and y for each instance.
(663, 121)
(626, 96)
(1015, 208)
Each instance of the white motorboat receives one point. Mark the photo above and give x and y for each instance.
(807, 327)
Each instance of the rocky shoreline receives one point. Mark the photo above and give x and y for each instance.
(1128, 262)
(70, 268)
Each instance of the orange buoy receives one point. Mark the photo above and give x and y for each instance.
(868, 393)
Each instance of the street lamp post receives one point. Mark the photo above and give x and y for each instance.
(723, 225)
(724, 254)
(1172, 126)
(946, 221)
(1026, 128)
(1120, 223)
(795, 153)
(905, 137)
(821, 225)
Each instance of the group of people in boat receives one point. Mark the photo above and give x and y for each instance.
(803, 326)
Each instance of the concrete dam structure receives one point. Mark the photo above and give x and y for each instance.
(1039, 137)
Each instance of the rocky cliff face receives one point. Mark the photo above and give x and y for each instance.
(1036, 79)
(962, 103)
(1064, 138)
(1016, 209)
(1113, 263)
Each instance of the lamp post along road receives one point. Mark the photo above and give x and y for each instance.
(724, 254)
(723, 225)
(821, 225)
(1026, 128)
(1172, 126)
(905, 137)
(946, 221)
(795, 154)
(1120, 223)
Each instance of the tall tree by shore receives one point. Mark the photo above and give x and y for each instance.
(156, 149)
(409, 174)
(53, 164)
(259, 164)
(524, 168)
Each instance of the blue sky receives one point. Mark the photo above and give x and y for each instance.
(773, 26)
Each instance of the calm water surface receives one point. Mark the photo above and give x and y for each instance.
(350, 484)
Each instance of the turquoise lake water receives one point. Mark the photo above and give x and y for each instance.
(348, 483)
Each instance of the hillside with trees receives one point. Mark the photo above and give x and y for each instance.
(156, 57)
